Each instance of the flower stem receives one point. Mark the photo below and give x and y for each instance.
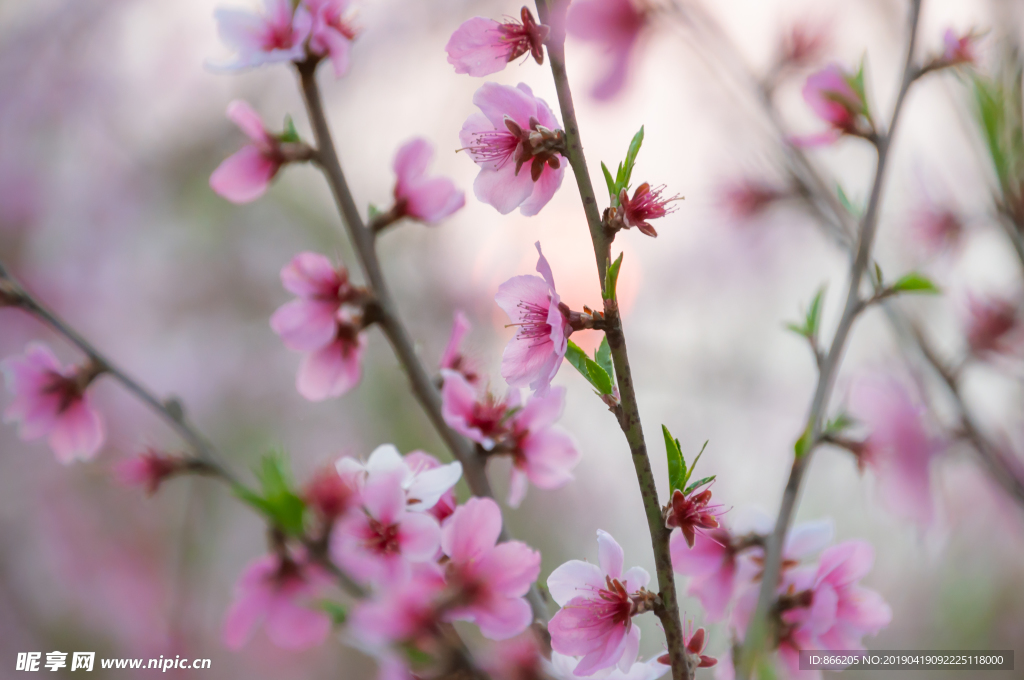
(759, 628)
(629, 414)
(363, 239)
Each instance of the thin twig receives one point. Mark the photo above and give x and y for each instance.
(363, 240)
(758, 630)
(629, 414)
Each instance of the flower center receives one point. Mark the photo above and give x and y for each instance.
(614, 603)
(67, 390)
(384, 539)
(533, 323)
(495, 146)
(488, 414)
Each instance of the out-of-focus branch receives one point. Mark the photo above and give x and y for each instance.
(170, 410)
(363, 240)
(759, 627)
(629, 413)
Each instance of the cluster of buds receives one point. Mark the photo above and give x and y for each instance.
(536, 145)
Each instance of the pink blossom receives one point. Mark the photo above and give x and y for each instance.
(598, 604)
(646, 204)
(938, 228)
(958, 49)
(803, 44)
(276, 591)
(711, 564)
(149, 469)
(245, 176)
(50, 401)
(562, 667)
(454, 358)
(535, 354)
(423, 479)
(491, 578)
(428, 199)
(838, 99)
(479, 416)
(482, 46)
(331, 494)
(325, 321)
(694, 642)
(747, 198)
(615, 25)
(332, 32)
(517, 658)
(420, 463)
(406, 613)
(692, 513)
(278, 34)
(514, 128)
(379, 544)
(898, 449)
(992, 324)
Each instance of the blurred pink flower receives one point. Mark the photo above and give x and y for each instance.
(615, 25)
(517, 658)
(747, 198)
(332, 32)
(535, 354)
(513, 128)
(331, 494)
(273, 590)
(838, 99)
(694, 642)
(646, 204)
(334, 369)
(992, 323)
(148, 469)
(245, 176)
(476, 415)
(491, 578)
(454, 358)
(310, 321)
(379, 543)
(898, 448)
(937, 228)
(278, 34)
(803, 44)
(50, 401)
(597, 603)
(420, 462)
(423, 479)
(403, 614)
(711, 564)
(958, 49)
(541, 452)
(562, 667)
(429, 199)
(480, 47)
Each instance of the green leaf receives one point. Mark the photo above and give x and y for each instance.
(337, 611)
(279, 503)
(676, 462)
(813, 321)
(693, 466)
(611, 278)
(612, 196)
(290, 134)
(634, 149)
(699, 482)
(588, 368)
(914, 283)
(803, 444)
(603, 357)
(842, 421)
(878, 274)
(845, 201)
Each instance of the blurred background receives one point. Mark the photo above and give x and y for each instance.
(110, 125)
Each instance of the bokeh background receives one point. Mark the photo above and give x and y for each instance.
(110, 125)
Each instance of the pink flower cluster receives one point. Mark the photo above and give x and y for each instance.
(615, 27)
(325, 322)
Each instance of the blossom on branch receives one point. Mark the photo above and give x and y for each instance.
(992, 325)
(149, 469)
(332, 32)
(480, 47)
(428, 199)
(424, 480)
(50, 401)
(562, 667)
(598, 603)
(514, 128)
(615, 25)
(837, 97)
(278, 34)
(488, 579)
(278, 590)
(646, 204)
(535, 354)
(959, 49)
(453, 358)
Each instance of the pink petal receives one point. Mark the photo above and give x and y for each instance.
(78, 433)
(544, 269)
(476, 48)
(244, 615)
(543, 189)
(510, 568)
(452, 350)
(715, 591)
(574, 579)
(706, 557)
(431, 200)
(502, 188)
(384, 498)
(632, 649)
(458, 399)
(331, 371)
(291, 626)
(311, 275)
(808, 538)
(636, 578)
(244, 176)
(471, 530)
(503, 618)
(419, 536)
(497, 101)
(528, 289)
(609, 554)
(518, 485)
(527, 362)
(248, 121)
(306, 325)
(550, 455)
(845, 563)
(413, 159)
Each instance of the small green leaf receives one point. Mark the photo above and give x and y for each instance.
(813, 322)
(588, 368)
(803, 444)
(634, 149)
(373, 212)
(611, 278)
(337, 611)
(698, 483)
(612, 196)
(878, 274)
(290, 134)
(842, 421)
(914, 283)
(845, 201)
(693, 466)
(603, 357)
(279, 503)
(676, 462)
